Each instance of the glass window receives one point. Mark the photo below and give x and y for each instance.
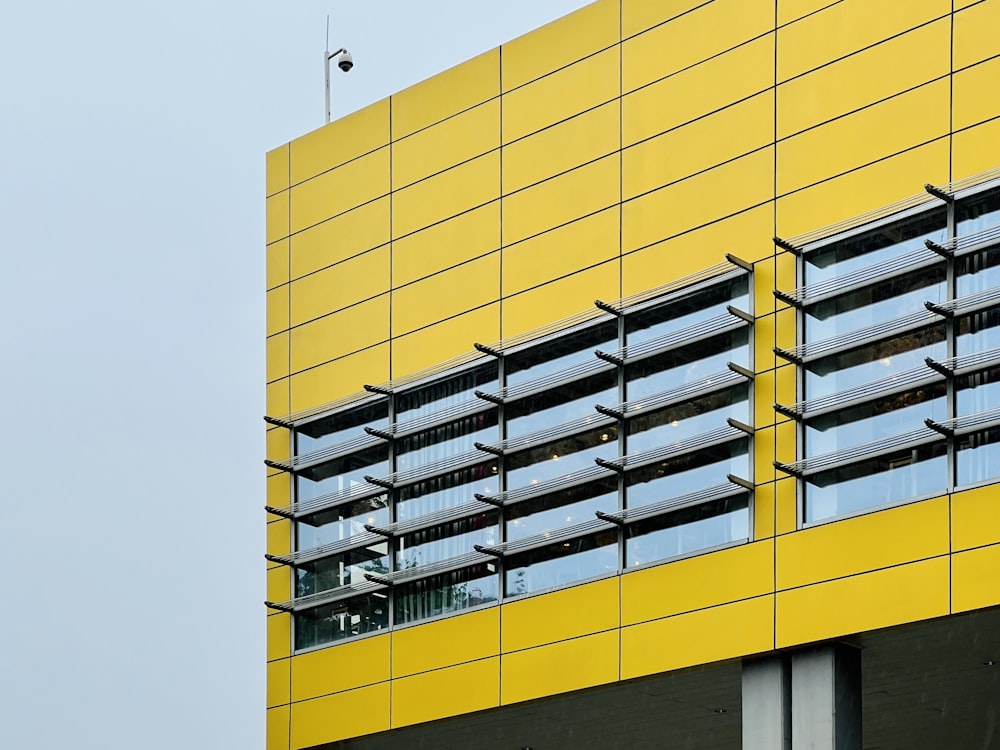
(688, 364)
(444, 542)
(561, 404)
(562, 563)
(977, 272)
(449, 592)
(447, 490)
(978, 332)
(917, 472)
(341, 427)
(341, 473)
(344, 619)
(689, 530)
(451, 439)
(685, 420)
(341, 522)
(978, 391)
(978, 212)
(562, 508)
(446, 392)
(561, 457)
(688, 473)
(681, 313)
(978, 456)
(560, 353)
(341, 570)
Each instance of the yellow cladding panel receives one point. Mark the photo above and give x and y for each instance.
(560, 612)
(279, 635)
(698, 582)
(594, 27)
(277, 728)
(344, 666)
(562, 147)
(703, 33)
(277, 263)
(447, 244)
(342, 140)
(905, 593)
(702, 144)
(277, 217)
(763, 511)
(440, 342)
(764, 454)
(337, 717)
(542, 305)
(562, 251)
(639, 15)
(895, 125)
(279, 536)
(785, 388)
(876, 540)
(460, 188)
(669, 211)
(446, 294)
(279, 488)
(785, 449)
(345, 236)
(975, 36)
(583, 191)
(276, 398)
(975, 517)
(902, 63)
(446, 692)
(791, 10)
(846, 27)
(785, 505)
(341, 333)
(277, 310)
(561, 95)
(971, 106)
(701, 637)
(559, 667)
(784, 329)
(468, 637)
(974, 579)
(276, 168)
(339, 378)
(339, 190)
(859, 191)
(976, 149)
(764, 336)
(440, 146)
(786, 272)
(763, 392)
(278, 677)
(277, 356)
(711, 85)
(446, 94)
(360, 278)
(763, 281)
(746, 235)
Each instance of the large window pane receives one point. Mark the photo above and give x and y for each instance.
(560, 353)
(341, 427)
(446, 392)
(689, 473)
(686, 311)
(446, 440)
(685, 531)
(341, 522)
(561, 457)
(346, 619)
(977, 272)
(978, 332)
(688, 419)
(341, 473)
(688, 364)
(977, 213)
(341, 570)
(561, 404)
(450, 592)
(563, 508)
(444, 542)
(562, 563)
(978, 456)
(447, 490)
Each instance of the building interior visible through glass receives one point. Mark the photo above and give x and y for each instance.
(624, 440)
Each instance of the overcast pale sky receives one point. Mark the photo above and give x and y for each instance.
(132, 141)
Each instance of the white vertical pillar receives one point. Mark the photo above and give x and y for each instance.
(767, 704)
(826, 698)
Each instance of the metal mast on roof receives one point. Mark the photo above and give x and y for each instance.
(345, 62)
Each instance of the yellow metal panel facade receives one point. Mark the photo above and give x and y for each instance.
(344, 236)
(341, 377)
(522, 623)
(559, 667)
(327, 195)
(444, 643)
(446, 294)
(975, 518)
(342, 140)
(442, 341)
(353, 713)
(339, 286)
(334, 670)
(446, 692)
(340, 333)
(974, 579)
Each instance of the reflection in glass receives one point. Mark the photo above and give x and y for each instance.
(561, 404)
(560, 509)
(340, 570)
(875, 246)
(444, 542)
(978, 456)
(688, 473)
(879, 360)
(864, 423)
(977, 272)
(978, 391)
(451, 439)
(978, 332)
(560, 353)
(877, 481)
(682, 421)
(449, 592)
(447, 490)
(689, 530)
(344, 619)
(686, 311)
(561, 457)
(562, 563)
(341, 522)
(341, 473)
(341, 427)
(977, 213)
(449, 391)
(689, 364)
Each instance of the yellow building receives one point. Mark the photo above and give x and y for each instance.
(747, 499)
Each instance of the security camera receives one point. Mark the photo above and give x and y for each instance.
(345, 62)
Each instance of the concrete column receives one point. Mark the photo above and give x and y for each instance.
(826, 698)
(767, 704)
